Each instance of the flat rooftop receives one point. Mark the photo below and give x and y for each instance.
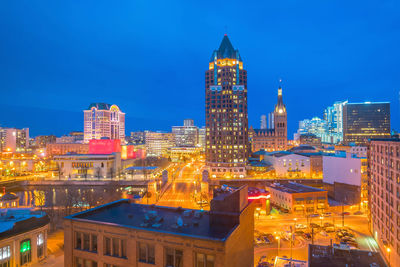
(171, 220)
(293, 188)
(15, 221)
(323, 256)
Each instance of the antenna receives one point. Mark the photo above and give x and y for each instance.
(226, 29)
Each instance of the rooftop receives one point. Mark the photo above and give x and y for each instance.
(225, 50)
(20, 220)
(101, 106)
(293, 188)
(176, 221)
(328, 257)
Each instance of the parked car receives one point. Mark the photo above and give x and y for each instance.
(327, 214)
(266, 240)
(307, 236)
(314, 215)
(358, 212)
(345, 213)
(327, 224)
(314, 225)
(330, 229)
(300, 226)
(323, 233)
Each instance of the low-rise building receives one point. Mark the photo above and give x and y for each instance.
(178, 154)
(157, 143)
(23, 236)
(122, 233)
(345, 177)
(62, 149)
(72, 166)
(9, 200)
(298, 198)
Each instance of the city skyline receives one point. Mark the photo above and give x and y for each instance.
(58, 77)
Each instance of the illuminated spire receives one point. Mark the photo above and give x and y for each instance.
(280, 107)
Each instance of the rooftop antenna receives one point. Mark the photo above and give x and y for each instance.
(226, 30)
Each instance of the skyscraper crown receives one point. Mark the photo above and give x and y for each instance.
(225, 50)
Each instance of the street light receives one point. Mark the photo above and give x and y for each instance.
(388, 251)
(321, 217)
(279, 243)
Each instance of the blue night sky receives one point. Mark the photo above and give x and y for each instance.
(149, 57)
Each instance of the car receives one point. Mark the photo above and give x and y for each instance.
(327, 214)
(330, 229)
(314, 225)
(323, 233)
(299, 232)
(327, 224)
(358, 212)
(259, 241)
(300, 226)
(345, 213)
(307, 236)
(266, 240)
(314, 215)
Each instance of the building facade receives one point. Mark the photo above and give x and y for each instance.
(23, 237)
(384, 194)
(103, 120)
(62, 149)
(157, 143)
(148, 235)
(42, 140)
(274, 138)
(363, 121)
(226, 113)
(298, 198)
(14, 140)
(186, 135)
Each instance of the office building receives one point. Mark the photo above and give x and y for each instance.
(136, 138)
(384, 192)
(298, 198)
(62, 149)
(23, 236)
(122, 234)
(186, 135)
(157, 143)
(363, 121)
(202, 138)
(275, 138)
(103, 120)
(42, 141)
(226, 113)
(14, 140)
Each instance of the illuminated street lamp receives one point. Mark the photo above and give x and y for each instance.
(388, 251)
(321, 217)
(279, 243)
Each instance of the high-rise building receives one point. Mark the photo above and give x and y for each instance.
(14, 140)
(42, 141)
(275, 137)
(103, 120)
(157, 143)
(384, 190)
(363, 121)
(226, 113)
(263, 122)
(186, 135)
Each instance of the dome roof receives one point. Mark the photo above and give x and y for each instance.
(8, 197)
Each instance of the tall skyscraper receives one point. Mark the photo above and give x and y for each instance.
(103, 120)
(263, 122)
(363, 121)
(226, 113)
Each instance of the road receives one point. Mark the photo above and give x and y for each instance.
(185, 188)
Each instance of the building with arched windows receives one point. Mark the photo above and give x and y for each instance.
(103, 120)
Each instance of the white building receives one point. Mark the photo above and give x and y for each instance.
(157, 143)
(14, 140)
(288, 164)
(186, 135)
(103, 120)
(87, 166)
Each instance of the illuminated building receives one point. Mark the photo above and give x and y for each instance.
(42, 140)
(136, 138)
(263, 122)
(98, 166)
(14, 140)
(9, 200)
(274, 138)
(123, 233)
(104, 121)
(298, 198)
(384, 194)
(178, 154)
(157, 143)
(186, 135)
(363, 121)
(62, 149)
(226, 113)
(23, 236)
(202, 138)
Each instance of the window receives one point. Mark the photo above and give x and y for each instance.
(107, 246)
(78, 240)
(94, 243)
(79, 262)
(25, 252)
(146, 253)
(86, 241)
(203, 260)
(5, 256)
(173, 257)
(114, 247)
(40, 245)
